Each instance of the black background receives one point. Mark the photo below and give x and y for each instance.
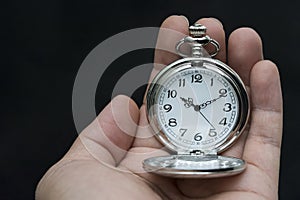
(44, 42)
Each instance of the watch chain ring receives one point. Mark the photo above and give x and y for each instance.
(197, 42)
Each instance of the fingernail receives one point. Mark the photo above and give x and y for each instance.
(218, 21)
(186, 19)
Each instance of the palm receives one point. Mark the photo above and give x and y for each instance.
(80, 175)
(254, 183)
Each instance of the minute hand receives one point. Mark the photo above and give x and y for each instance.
(203, 105)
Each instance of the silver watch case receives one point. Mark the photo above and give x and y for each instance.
(197, 163)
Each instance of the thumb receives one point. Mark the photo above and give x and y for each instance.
(110, 135)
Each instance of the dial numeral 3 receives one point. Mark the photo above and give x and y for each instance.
(227, 107)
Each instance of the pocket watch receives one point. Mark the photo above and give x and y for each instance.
(197, 107)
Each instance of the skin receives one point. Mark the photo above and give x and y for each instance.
(105, 161)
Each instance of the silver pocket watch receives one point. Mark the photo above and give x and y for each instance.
(197, 107)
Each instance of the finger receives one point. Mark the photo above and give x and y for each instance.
(145, 135)
(237, 149)
(215, 31)
(145, 146)
(167, 40)
(244, 50)
(173, 29)
(262, 148)
(110, 135)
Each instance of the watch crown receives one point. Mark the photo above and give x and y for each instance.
(197, 30)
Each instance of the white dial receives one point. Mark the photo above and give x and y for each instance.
(196, 107)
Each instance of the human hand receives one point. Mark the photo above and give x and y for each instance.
(105, 161)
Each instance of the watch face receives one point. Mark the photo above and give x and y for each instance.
(197, 106)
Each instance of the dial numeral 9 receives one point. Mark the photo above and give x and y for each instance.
(168, 107)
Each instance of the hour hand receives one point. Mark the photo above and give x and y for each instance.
(189, 102)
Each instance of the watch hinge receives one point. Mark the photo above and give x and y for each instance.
(197, 153)
(203, 153)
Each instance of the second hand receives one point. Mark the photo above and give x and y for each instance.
(206, 119)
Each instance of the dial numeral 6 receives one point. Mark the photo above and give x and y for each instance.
(198, 137)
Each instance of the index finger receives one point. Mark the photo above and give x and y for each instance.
(167, 40)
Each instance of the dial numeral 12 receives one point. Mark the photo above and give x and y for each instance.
(196, 78)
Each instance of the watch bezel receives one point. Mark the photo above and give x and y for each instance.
(221, 68)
